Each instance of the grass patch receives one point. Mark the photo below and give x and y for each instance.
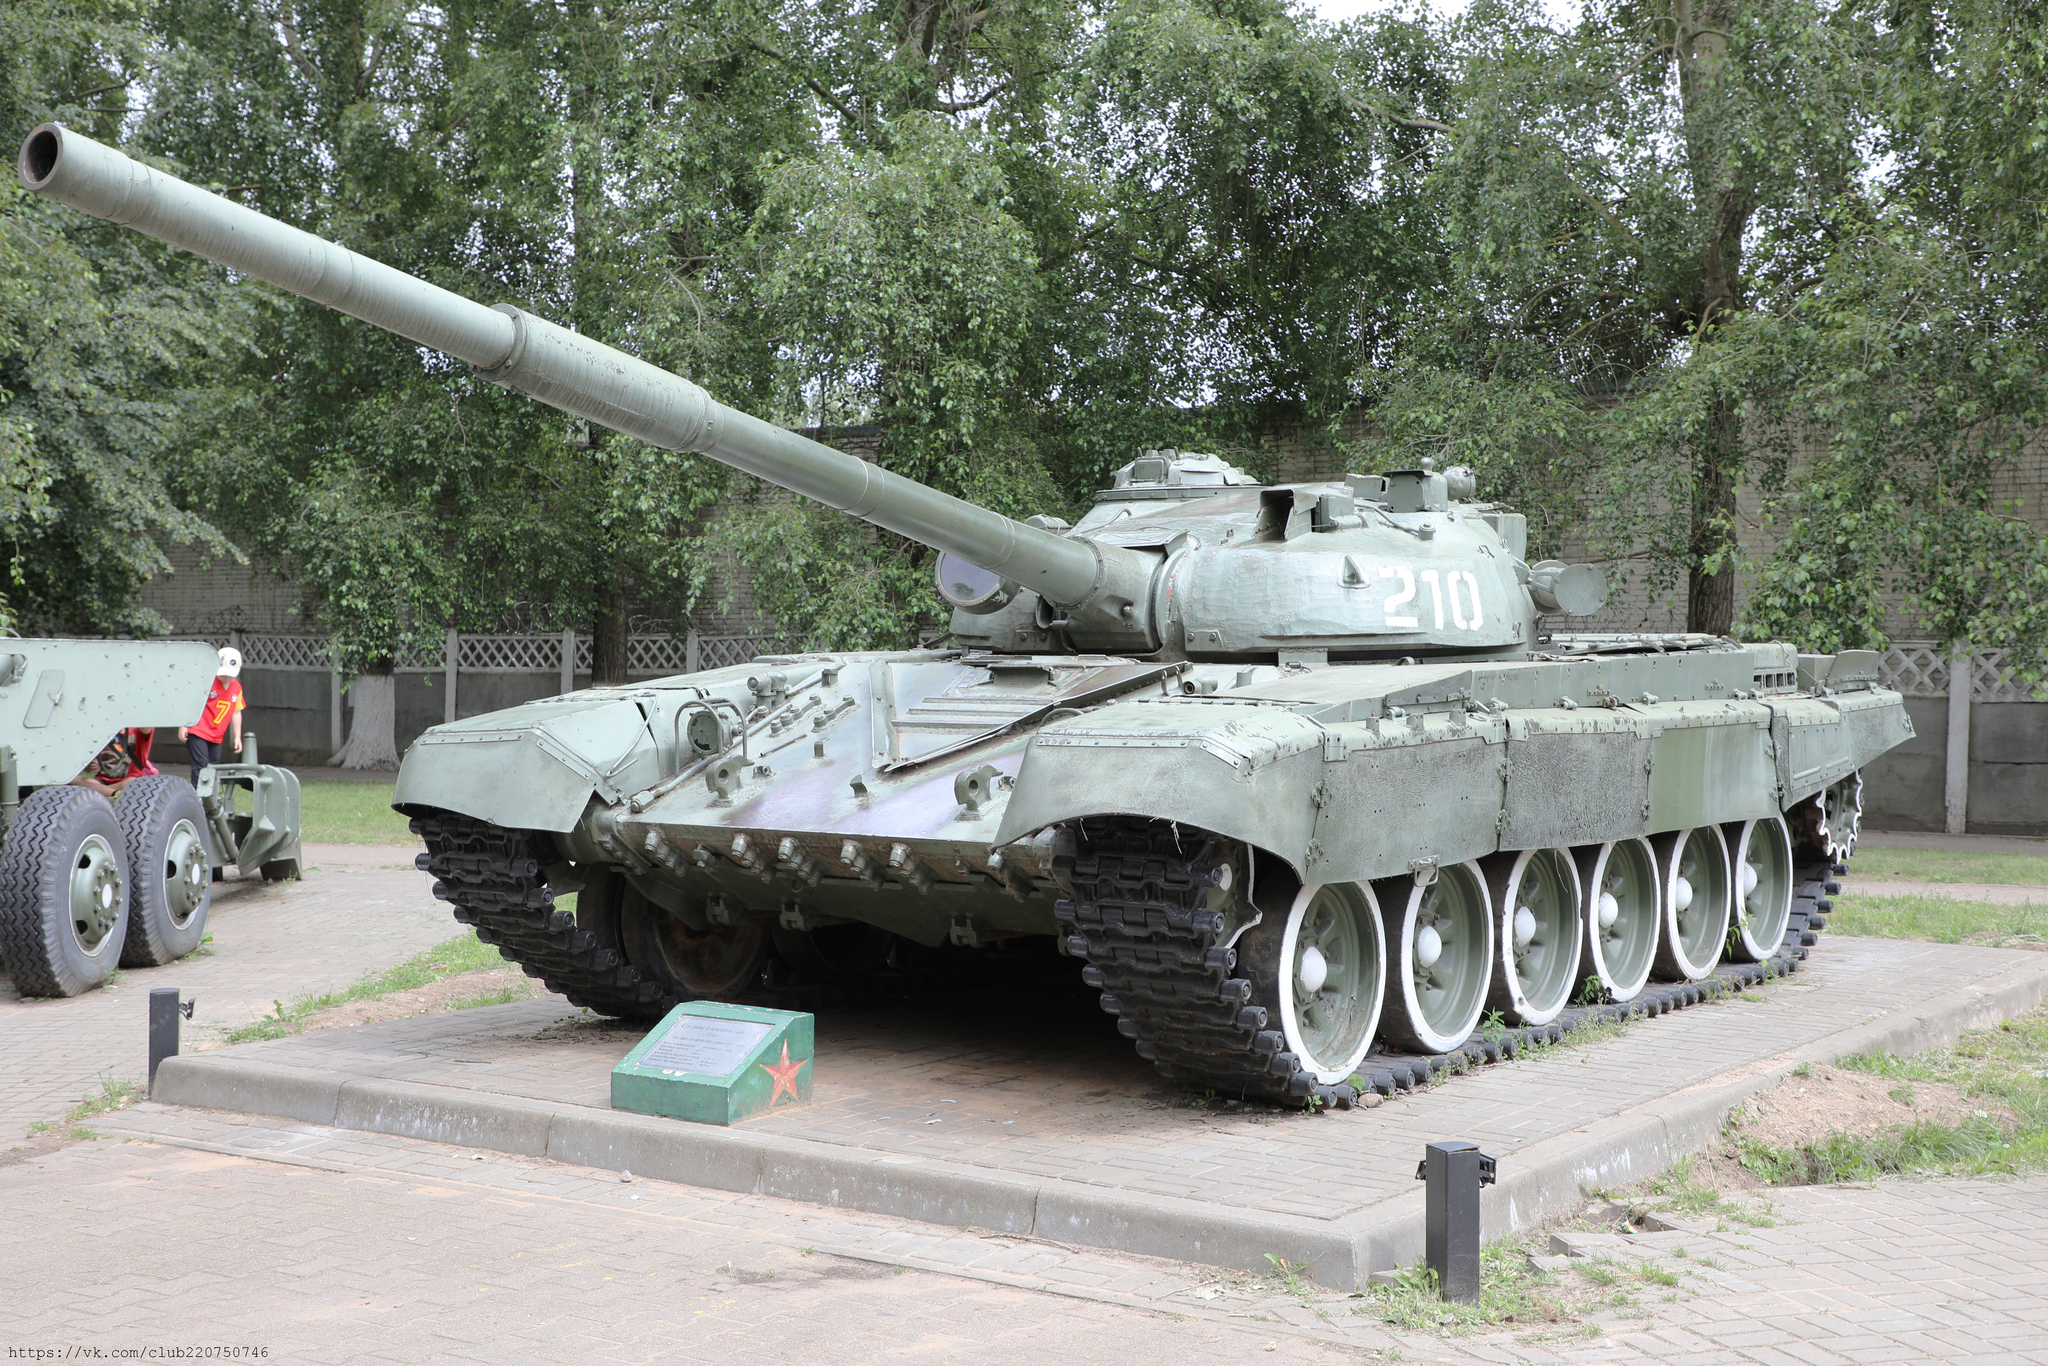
(1680, 1191)
(2004, 1066)
(1940, 919)
(504, 996)
(1952, 865)
(351, 813)
(464, 953)
(112, 1095)
(1510, 1291)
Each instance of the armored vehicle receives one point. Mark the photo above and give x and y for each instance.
(1289, 769)
(88, 885)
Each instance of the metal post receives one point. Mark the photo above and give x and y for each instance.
(568, 661)
(693, 653)
(1454, 1171)
(1955, 795)
(164, 1010)
(451, 654)
(334, 706)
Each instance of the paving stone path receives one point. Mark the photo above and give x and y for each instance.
(323, 1245)
(361, 907)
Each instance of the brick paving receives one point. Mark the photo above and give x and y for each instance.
(365, 908)
(333, 1245)
(1042, 1087)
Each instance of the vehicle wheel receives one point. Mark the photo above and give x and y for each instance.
(1440, 949)
(1694, 864)
(63, 893)
(1763, 889)
(714, 965)
(1322, 970)
(1536, 933)
(1622, 914)
(835, 953)
(170, 887)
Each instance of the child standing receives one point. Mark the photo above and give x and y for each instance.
(223, 712)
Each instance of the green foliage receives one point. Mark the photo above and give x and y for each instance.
(110, 346)
(352, 813)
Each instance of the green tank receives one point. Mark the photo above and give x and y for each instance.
(1310, 778)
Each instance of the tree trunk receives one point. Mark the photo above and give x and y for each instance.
(1710, 590)
(608, 637)
(1723, 198)
(372, 737)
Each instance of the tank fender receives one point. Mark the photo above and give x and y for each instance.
(532, 767)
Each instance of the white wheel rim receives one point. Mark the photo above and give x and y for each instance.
(1333, 978)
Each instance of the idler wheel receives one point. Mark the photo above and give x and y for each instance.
(1762, 894)
(1327, 970)
(1694, 868)
(1536, 933)
(1622, 913)
(1440, 942)
(1842, 805)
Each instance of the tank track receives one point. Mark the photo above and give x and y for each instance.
(493, 879)
(1137, 919)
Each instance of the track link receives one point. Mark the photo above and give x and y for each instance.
(1138, 919)
(494, 879)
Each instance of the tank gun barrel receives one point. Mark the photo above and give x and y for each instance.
(573, 373)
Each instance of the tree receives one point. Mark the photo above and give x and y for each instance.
(110, 346)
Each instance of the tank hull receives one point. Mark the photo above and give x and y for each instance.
(847, 800)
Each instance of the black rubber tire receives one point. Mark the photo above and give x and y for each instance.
(156, 813)
(52, 829)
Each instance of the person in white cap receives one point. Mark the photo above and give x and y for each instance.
(223, 713)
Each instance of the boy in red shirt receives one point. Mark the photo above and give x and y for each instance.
(224, 706)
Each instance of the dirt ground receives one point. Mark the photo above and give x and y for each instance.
(495, 986)
(1803, 1110)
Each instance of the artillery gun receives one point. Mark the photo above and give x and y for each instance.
(1290, 769)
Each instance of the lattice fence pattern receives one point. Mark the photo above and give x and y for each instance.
(507, 654)
(658, 656)
(1920, 669)
(1914, 668)
(717, 652)
(647, 656)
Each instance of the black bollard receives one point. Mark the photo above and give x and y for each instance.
(164, 1010)
(1454, 1172)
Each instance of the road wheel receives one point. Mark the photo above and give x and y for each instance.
(63, 893)
(1440, 956)
(716, 964)
(170, 884)
(1322, 971)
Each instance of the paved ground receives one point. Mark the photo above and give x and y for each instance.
(324, 1245)
(1010, 1079)
(1965, 844)
(360, 908)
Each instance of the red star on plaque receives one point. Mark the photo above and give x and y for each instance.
(785, 1076)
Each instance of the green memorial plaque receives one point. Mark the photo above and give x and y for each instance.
(717, 1064)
